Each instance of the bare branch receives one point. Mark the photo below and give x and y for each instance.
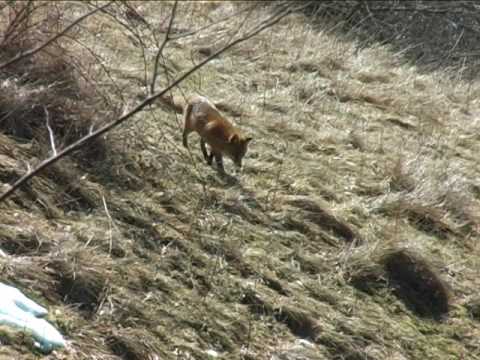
(19, 18)
(234, 15)
(137, 36)
(101, 62)
(160, 50)
(272, 20)
(33, 51)
(241, 24)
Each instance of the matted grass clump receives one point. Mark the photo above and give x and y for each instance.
(413, 279)
(417, 283)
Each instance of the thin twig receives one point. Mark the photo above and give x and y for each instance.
(160, 50)
(50, 131)
(33, 51)
(110, 222)
(149, 100)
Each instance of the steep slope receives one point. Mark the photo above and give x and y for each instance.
(350, 234)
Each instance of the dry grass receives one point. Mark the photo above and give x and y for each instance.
(351, 232)
(405, 25)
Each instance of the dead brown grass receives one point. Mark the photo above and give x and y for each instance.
(352, 225)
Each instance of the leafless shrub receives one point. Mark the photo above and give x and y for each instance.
(43, 92)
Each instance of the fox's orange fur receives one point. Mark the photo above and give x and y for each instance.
(202, 116)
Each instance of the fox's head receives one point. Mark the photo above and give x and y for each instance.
(238, 148)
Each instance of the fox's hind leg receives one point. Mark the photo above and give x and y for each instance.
(186, 123)
(208, 158)
(185, 137)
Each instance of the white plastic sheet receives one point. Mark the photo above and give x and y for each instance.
(18, 311)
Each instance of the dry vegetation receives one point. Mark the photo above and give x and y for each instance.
(432, 34)
(352, 232)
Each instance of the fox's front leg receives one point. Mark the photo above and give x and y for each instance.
(219, 161)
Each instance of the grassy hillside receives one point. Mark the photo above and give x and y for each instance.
(351, 233)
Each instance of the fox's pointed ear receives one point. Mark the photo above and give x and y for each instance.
(233, 138)
(248, 139)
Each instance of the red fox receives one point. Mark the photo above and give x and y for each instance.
(202, 116)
